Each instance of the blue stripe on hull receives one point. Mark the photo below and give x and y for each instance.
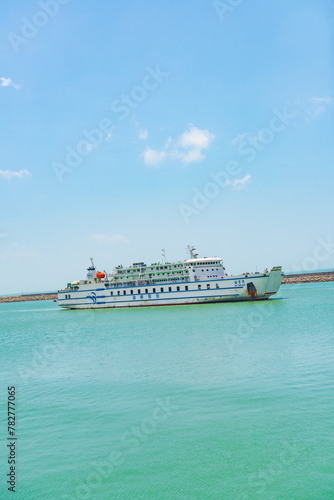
(231, 299)
(134, 303)
(149, 293)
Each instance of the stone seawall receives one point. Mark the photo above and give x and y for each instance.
(292, 279)
(29, 298)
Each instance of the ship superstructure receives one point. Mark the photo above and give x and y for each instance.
(193, 281)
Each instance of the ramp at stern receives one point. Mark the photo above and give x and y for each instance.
(274, 280)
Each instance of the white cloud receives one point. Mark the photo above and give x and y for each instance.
(7, 82)
(10, 174)
(192, 156)
(317, 105)
(153, 157)
(321, 100)
(105, 239)
(142, 135)
(239, 183)
(188, 148)
(196, 138)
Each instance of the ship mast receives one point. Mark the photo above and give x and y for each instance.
(193, 255)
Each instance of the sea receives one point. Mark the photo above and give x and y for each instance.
(218, 401)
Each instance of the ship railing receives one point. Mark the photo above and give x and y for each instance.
(153, 282)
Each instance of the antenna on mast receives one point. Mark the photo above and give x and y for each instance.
(164, 255)
(91, 259)
(193, 255)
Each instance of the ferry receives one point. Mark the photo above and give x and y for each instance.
(193, 281)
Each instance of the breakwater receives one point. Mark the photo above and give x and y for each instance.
(320, 277)
(29, 297)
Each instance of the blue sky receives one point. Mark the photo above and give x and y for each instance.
(135, 126)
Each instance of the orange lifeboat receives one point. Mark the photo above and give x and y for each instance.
(100, 275)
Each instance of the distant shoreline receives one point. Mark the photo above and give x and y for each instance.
(289, 279)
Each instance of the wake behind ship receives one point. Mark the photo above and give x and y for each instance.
(193, 281)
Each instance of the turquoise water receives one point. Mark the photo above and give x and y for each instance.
(217, 401)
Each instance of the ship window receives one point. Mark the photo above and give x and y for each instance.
(169, 288)
(186, 287)
(138, 291)
(153, 290)
(178, 288)
(161, 290)
(124, 292)
(146, 290)
(199, 287)
(111, 293)
(208, 286)
(131, 292)
(118, 292)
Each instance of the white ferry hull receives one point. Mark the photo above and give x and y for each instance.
(231, 288)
